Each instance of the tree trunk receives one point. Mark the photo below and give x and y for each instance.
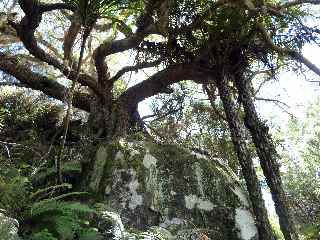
(107, 123)
(245, 160)
(267, 153)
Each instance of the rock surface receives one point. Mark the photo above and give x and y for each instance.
(8, 228)
(185, 194)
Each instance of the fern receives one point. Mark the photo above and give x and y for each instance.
(45, 192)
(68, 168)
(44, 214)
(49, 206)
(14, 194)
(63, 219)
(43, 235)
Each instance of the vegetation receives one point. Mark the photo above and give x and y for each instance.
(302, 177)
(67, 50)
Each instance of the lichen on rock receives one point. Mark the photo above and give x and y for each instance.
(8, 228)
(170, 187)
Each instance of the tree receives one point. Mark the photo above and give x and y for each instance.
(208, 42)
(301, 179)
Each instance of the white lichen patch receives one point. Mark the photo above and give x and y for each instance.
(98, 169)
(122, 142)
(221, 161)
(149, 160)
(173, 193)
(198, 171)
(241, 195)
(131, 147)
(205, 205)
(245, 223)
(133, 152)
(192, 201)
(169, 222)
(107, 190)
(119, 156)
(8, 227)
(199, 155)
(135, 199)
(117, 229)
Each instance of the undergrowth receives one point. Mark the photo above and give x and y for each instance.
(52, 212)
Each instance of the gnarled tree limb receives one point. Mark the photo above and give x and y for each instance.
(70, 37)
(160, 81)
(10, 65)
(25, 31)
(145, 25)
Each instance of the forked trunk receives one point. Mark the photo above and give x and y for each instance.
(267, 153)
(245, 160)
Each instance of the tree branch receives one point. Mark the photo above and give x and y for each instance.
(299, 2)
(108, 48)
(158, 82)
(134, 68)
(10, 65)
(285, 51)
(70, 36)
(272, 100)
(144, 23)
(26, 29)
(44, 7)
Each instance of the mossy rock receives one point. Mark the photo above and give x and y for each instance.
(174, 188)
(8, 228)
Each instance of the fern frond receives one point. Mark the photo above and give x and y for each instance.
(63, 219)
(48, 173)
(49, 190)
(43, 235)
(54, 207)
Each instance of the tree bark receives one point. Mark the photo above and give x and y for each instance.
(267, 153)
(49, 86)
(245, 160)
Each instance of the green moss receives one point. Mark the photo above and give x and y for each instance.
(103, 167)
(177, 170)
(212, 179)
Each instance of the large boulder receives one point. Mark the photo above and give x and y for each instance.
(182, 192)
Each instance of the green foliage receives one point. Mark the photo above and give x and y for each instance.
(42, 209)
(91, 10)
(276, 228)
(301, 179)
(43, 235)
(26, 122)
(5, 232)
(312, 231)
(15, 191)
(22, 111)
(44, 214)
(49, 173)
(63, 219)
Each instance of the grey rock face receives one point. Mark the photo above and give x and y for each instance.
(8, 228)
(186, 194)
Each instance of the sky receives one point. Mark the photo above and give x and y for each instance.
(293, 89)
